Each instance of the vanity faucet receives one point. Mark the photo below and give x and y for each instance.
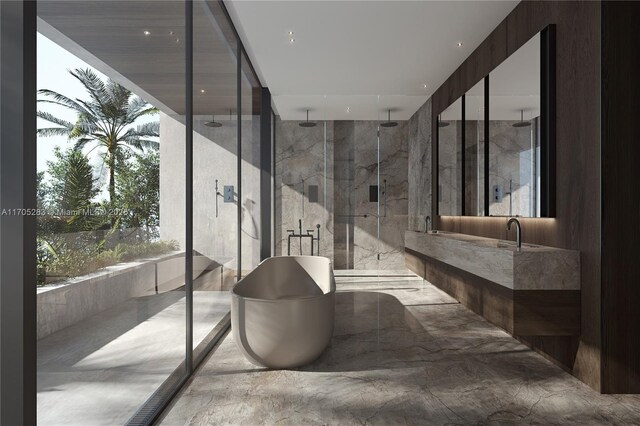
(518, 231)
(427, 225)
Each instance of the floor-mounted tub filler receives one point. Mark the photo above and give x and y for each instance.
(282, 311)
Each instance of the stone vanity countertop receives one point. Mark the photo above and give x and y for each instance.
(534, 267)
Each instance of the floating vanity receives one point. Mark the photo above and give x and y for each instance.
(534, 291)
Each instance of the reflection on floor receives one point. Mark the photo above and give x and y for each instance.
(100, 371)
(403, 352)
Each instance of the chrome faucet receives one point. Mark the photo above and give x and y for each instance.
(427, 225)
(518, 231)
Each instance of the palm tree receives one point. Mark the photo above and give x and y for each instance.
(106, 120)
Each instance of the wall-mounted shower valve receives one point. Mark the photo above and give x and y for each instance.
(228, 194)
(497, 193)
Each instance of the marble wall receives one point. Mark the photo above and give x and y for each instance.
(346, 165)
(474, 168)
(215, 158)
(512, 168)
(394, 158)
(449, 168)
(378, 242)
(344, 171)
(302, 159)
(419, 170)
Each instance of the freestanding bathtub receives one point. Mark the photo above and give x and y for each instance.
(282, 312)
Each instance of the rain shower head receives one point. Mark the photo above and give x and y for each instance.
(307, 123)
(522, 123)
(389, 123)
(213, 122)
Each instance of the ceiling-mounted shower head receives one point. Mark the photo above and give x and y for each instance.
(522, 123)
(307, 123)
(213, 122)
(389, 123)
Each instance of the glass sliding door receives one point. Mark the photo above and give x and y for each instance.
(250, 92)
(111, 184)
(393, 201)
(215, 171)
(149, 163)
(367, 188)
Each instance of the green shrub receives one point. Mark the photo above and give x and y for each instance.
(58, 260)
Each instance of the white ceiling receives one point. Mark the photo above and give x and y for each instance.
(366, 55)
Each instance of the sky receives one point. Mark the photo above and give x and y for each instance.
(54, 64)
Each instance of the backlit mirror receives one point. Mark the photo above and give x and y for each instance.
(474, 151)
(514, 134)
(495, 144)
(450, 127)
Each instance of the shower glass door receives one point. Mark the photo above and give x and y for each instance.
(348, 174)
(392, 162)
(356, 183)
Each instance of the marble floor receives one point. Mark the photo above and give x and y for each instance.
(403, 352)
(101, 370)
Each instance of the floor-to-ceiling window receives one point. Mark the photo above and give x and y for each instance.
(215, 171)
(250, 202)
(128, 93)
(111, 253)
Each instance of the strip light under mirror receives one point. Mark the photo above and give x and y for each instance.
(496, 143)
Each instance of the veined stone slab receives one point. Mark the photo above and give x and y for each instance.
(534, 267)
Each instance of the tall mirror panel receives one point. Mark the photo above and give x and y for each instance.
(514, 134)
(474, 151)
(450, 141)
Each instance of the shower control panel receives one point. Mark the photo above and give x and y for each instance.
(228, 194)
(497, 193)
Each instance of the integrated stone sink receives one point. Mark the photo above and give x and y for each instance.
(533, 267)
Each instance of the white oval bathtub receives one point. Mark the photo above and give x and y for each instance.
(282, 311)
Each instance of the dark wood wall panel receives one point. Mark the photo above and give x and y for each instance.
(490, 300)
(620, 197)
(415, 263)
(577, 222)
(523, 313)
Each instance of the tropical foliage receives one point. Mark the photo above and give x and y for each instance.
(138, 192)
(106, 120)
(81, 232)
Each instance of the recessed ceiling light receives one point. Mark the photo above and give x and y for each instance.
(171, 33)
(146, 32)
(290, 33)
(424, 86)
(177, 40)
(459, 44)
(201, 90)
(348, 109)
(291, 40)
